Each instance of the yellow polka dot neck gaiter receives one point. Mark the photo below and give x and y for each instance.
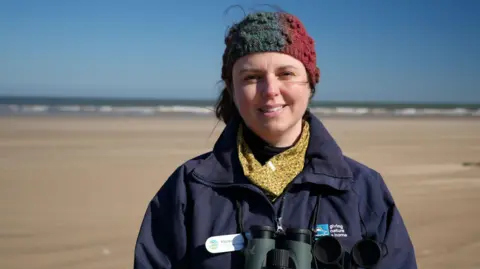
(280, 170)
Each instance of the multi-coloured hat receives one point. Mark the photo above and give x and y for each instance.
(270, 32)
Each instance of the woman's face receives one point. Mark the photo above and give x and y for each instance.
(271, 92)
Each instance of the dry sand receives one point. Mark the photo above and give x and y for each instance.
(74, 190)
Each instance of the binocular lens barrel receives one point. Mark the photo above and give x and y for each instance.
(262, 241)
(278, 259)
(366, 253)
(328, 250)
(259, 231)
(300, 235)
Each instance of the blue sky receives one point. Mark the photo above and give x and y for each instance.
(396, 50)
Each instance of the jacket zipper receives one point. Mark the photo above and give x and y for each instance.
(277, 217)
(281, 198)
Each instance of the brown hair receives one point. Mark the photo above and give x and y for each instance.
(225, 108)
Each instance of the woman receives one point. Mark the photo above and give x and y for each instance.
(274, 165)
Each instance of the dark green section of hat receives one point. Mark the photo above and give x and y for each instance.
(258, 32)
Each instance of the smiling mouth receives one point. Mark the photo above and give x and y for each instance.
(271, 109)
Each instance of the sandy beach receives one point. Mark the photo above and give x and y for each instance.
(74, 189)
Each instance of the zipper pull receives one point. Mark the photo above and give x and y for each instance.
(279, 225)
(279, 217)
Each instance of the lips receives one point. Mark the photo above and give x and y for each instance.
(270, 109)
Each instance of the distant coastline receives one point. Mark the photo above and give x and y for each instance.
(21, 105)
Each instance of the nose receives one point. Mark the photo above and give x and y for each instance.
(270, 86)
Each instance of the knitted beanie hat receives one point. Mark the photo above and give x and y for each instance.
(270, 32)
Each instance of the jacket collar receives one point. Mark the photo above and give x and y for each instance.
(324, 158)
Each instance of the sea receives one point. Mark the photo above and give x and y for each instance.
(33, 105)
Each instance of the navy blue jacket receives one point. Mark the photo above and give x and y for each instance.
(202, 197)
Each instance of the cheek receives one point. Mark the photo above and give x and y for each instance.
(244, 98)
(299, 97)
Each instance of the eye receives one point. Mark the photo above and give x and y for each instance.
(250, 77)
(287, 74)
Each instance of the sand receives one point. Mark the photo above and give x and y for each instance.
(74, 189)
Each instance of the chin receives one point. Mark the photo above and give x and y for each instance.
(276, 127)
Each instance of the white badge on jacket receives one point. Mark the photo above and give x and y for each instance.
(225, 243)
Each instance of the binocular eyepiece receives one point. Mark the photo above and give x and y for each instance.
(366, 253)
(268, 249)
(297, 249)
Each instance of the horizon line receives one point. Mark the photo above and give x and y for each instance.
(4, 97)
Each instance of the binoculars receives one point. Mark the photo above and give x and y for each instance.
(297, 249)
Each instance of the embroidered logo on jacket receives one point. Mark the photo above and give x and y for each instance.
(335, 230)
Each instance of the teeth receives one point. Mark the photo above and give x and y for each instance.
(273, 109)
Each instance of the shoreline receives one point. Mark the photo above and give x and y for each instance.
(188, 115)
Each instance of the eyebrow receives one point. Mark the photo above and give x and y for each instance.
(257, 70)
(254, 70)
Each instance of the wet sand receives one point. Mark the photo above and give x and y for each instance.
(74, 189)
